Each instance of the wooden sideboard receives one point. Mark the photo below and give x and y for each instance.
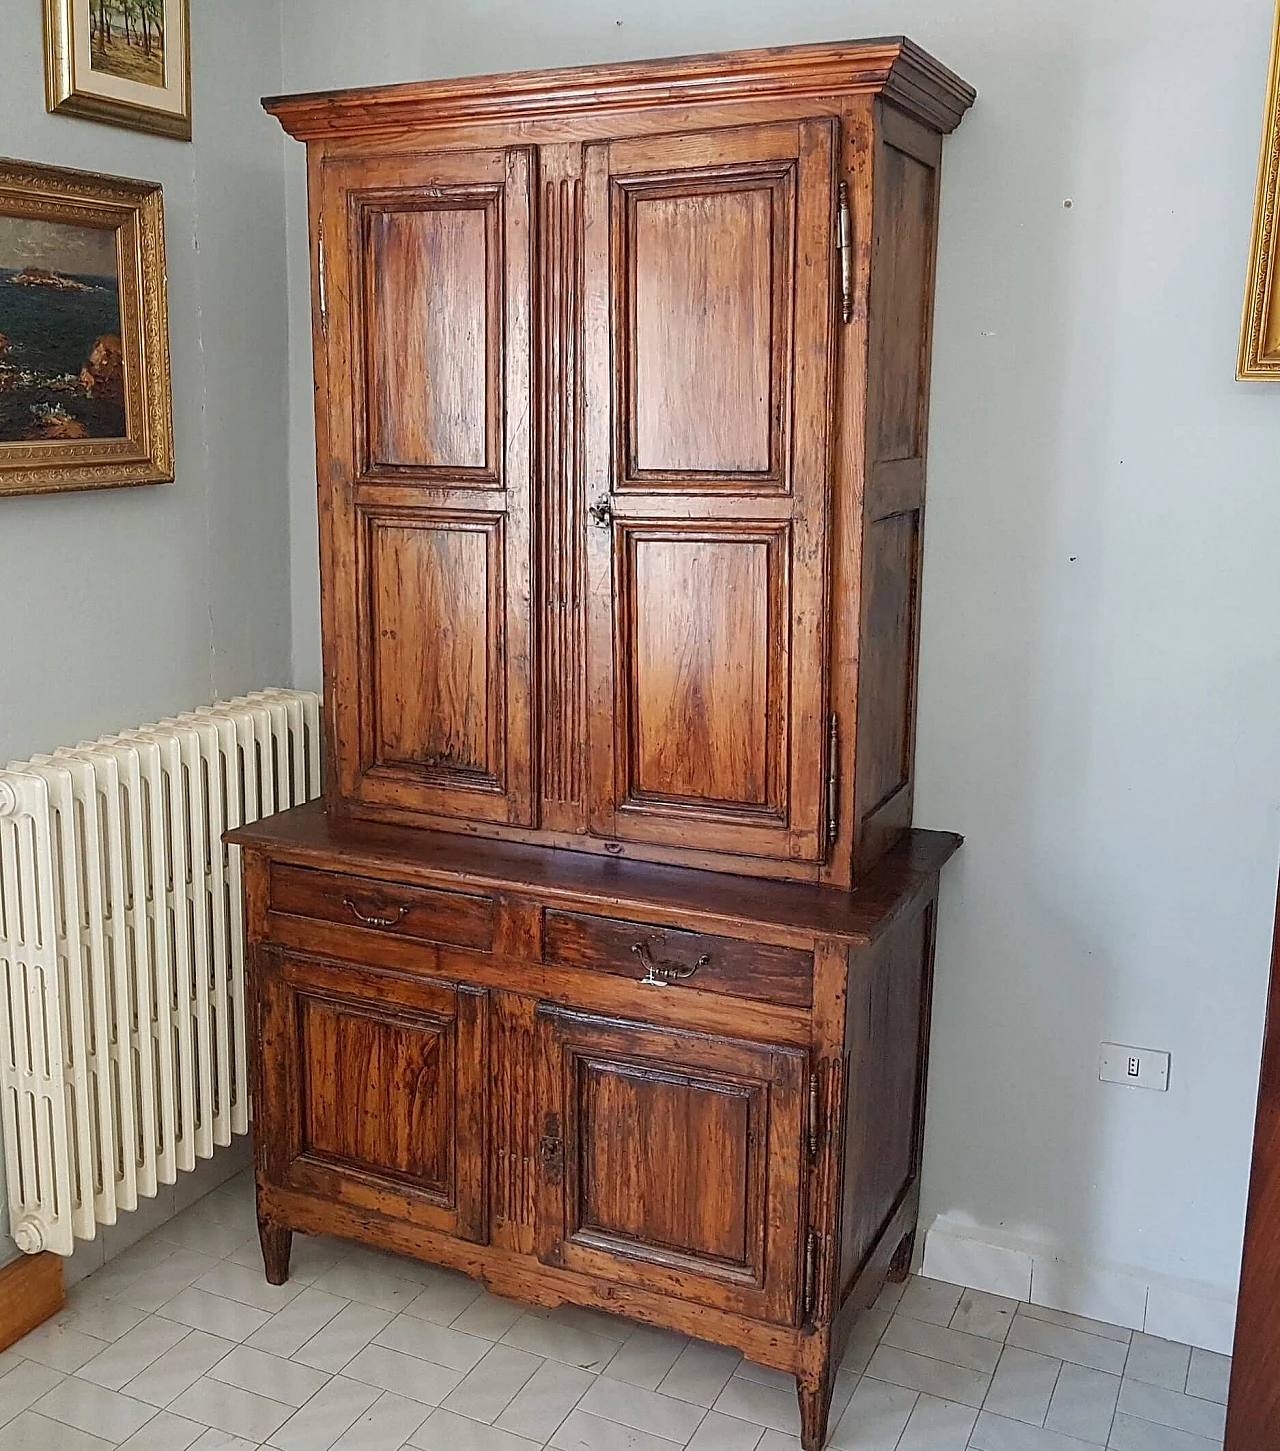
(604, 972)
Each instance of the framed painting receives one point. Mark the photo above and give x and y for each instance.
(85, 400)
(1260, 333)
(127, 62)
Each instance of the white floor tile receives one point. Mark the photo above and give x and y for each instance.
(981, 1314)
(765, 1375)
(932, 1300)
(875, 1418)
(779, 1441)
(1158, 1362)
(196, 1229)
(216, 1440)
(938, 1426)
(180, 1269)
(94, 1409)
(268, 1375)
(1131, 1433)
(132, 1352)
(165, 1432)
(545, 1399)
(290, 1329)
(766, 1405)
(485, 1392)
(642, 1410)
(488, 1316)
(30, 1431)
(179, 1367)
(445, 1431)
(405, 1375)
(350, 1330)
(867, 1330)
(1076, 1322)
(718, 1432)
(700, 1373)
(330, 1412)
(369, 1287)
(645, 1357)
(385, 1426)
(101, 1318)
(443, 1302)
(249, 1286)
(956, 1347)
(1209, 1376)
(1172, 1408)
(1096, 1351)
(996, 1433)
(241, 1413)
(1023, 1386)
(428, 1341)
(60, 1347)
(1084, 1403)
(581, 1431)
(213, 1314)
(933, 1377)
(565, 1343)
(23, 1385)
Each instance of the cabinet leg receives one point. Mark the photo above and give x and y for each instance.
(815, 1410)
(276, 1244)
(900, 1264)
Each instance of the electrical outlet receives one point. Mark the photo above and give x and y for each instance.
(1138, 1067)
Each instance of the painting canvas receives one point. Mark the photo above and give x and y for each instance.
(85, 397)
(123, 61)
(61, 355)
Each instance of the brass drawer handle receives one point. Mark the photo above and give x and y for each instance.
(374, 921)
(663, 974)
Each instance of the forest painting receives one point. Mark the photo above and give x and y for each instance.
(61, 357)
(126, 39)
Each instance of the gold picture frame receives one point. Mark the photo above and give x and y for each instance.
(1260, 333)
(125, 62)
(85, 392)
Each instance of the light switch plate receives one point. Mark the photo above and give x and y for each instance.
(1138, 1067)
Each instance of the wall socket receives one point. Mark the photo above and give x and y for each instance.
(1138, 1067)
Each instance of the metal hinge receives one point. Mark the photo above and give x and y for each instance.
(810, 1271)
(323, 286)
(844, 246)
(815, 1135)
(833, 780)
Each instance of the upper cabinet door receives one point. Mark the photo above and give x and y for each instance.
(708, 337)
(424, 316)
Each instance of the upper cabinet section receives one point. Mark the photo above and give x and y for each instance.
(622, 401)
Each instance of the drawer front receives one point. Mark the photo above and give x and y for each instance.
(453, 919)
(671, 955)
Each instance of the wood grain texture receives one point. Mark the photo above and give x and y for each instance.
(30, 1292)
(1253, 1407)
(513, 1164)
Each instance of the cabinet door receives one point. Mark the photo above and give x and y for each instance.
(708, 337)
(672, 1162)
(425, 483)
(372, 1090)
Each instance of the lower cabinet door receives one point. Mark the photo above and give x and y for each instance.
(371, 1090)
(672, 1162)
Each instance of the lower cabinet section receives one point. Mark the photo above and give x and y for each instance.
(672, 1161)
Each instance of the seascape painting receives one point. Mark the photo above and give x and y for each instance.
(62, 369)
(126, 39)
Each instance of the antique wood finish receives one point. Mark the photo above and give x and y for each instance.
(604, 973)
(1253, 1407)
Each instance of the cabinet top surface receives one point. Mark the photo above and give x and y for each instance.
(307, 835)
(895, 67)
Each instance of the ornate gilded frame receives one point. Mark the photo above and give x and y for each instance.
(134, 210)
(1260, 334)
(70, 94)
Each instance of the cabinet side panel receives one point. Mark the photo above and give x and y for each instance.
(887, 1042)
(907, 165)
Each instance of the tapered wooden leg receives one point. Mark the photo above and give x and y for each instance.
(900, 1264)
(276, 1244)
(815, 1409)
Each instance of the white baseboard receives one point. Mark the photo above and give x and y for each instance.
(1019, 1269)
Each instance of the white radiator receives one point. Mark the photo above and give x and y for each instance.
(122, 1011)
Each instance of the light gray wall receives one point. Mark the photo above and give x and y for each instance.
(123, 605)
(1100, 701)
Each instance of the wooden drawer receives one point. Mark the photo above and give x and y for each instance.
(453, 919)
(642, 951)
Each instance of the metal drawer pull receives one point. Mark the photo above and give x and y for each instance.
(663, 974)
(374, 921)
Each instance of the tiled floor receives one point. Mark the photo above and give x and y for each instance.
(180, 1343)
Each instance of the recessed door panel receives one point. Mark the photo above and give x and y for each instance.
(431, 334)
(707, 362)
